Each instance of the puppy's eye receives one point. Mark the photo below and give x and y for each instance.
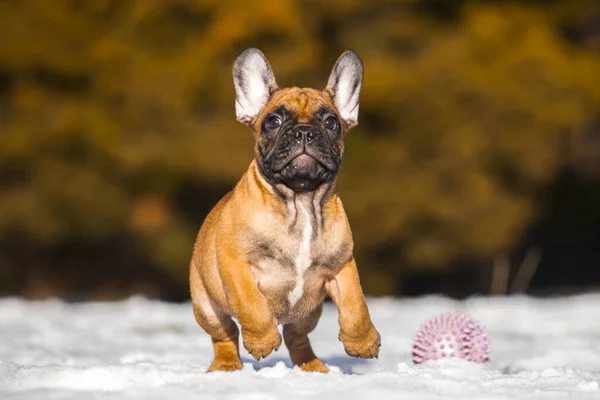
(273, 122)
(331, 123)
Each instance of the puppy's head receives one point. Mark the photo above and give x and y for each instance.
(299, 131)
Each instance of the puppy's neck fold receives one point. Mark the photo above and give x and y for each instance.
(280, 195)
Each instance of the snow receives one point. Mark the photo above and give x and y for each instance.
(142, 349)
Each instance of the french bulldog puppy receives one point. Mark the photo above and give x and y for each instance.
(273, 248)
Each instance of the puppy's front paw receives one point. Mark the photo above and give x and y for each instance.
(363, 346)
(261, 343)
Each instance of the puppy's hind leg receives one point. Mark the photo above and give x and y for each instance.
(217, 324)
(296, 340)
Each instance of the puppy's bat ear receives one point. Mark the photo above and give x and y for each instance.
(254, 83)
(344, 86)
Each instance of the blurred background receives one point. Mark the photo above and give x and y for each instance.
(475, 168)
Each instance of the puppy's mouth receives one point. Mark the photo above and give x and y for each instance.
(303, 173)
(302, 163)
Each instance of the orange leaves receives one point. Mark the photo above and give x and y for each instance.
(463, 118)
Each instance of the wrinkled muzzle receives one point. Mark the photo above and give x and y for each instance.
(303, 157)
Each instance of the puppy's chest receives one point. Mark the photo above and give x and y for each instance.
(291, 265)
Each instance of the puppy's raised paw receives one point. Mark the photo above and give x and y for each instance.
(363, 346)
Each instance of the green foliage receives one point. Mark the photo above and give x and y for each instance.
(111, 109)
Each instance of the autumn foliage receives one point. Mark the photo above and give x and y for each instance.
(118, 131)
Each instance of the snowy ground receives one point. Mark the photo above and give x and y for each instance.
(541, 349)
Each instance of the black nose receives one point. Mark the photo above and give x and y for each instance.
(304, 133)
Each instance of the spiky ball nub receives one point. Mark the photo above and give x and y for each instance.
(451, 335)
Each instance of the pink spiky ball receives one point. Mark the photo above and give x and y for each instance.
(451, 335)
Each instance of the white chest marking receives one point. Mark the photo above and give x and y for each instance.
(303, 259)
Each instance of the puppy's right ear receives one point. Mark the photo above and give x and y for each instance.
(254, 83)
